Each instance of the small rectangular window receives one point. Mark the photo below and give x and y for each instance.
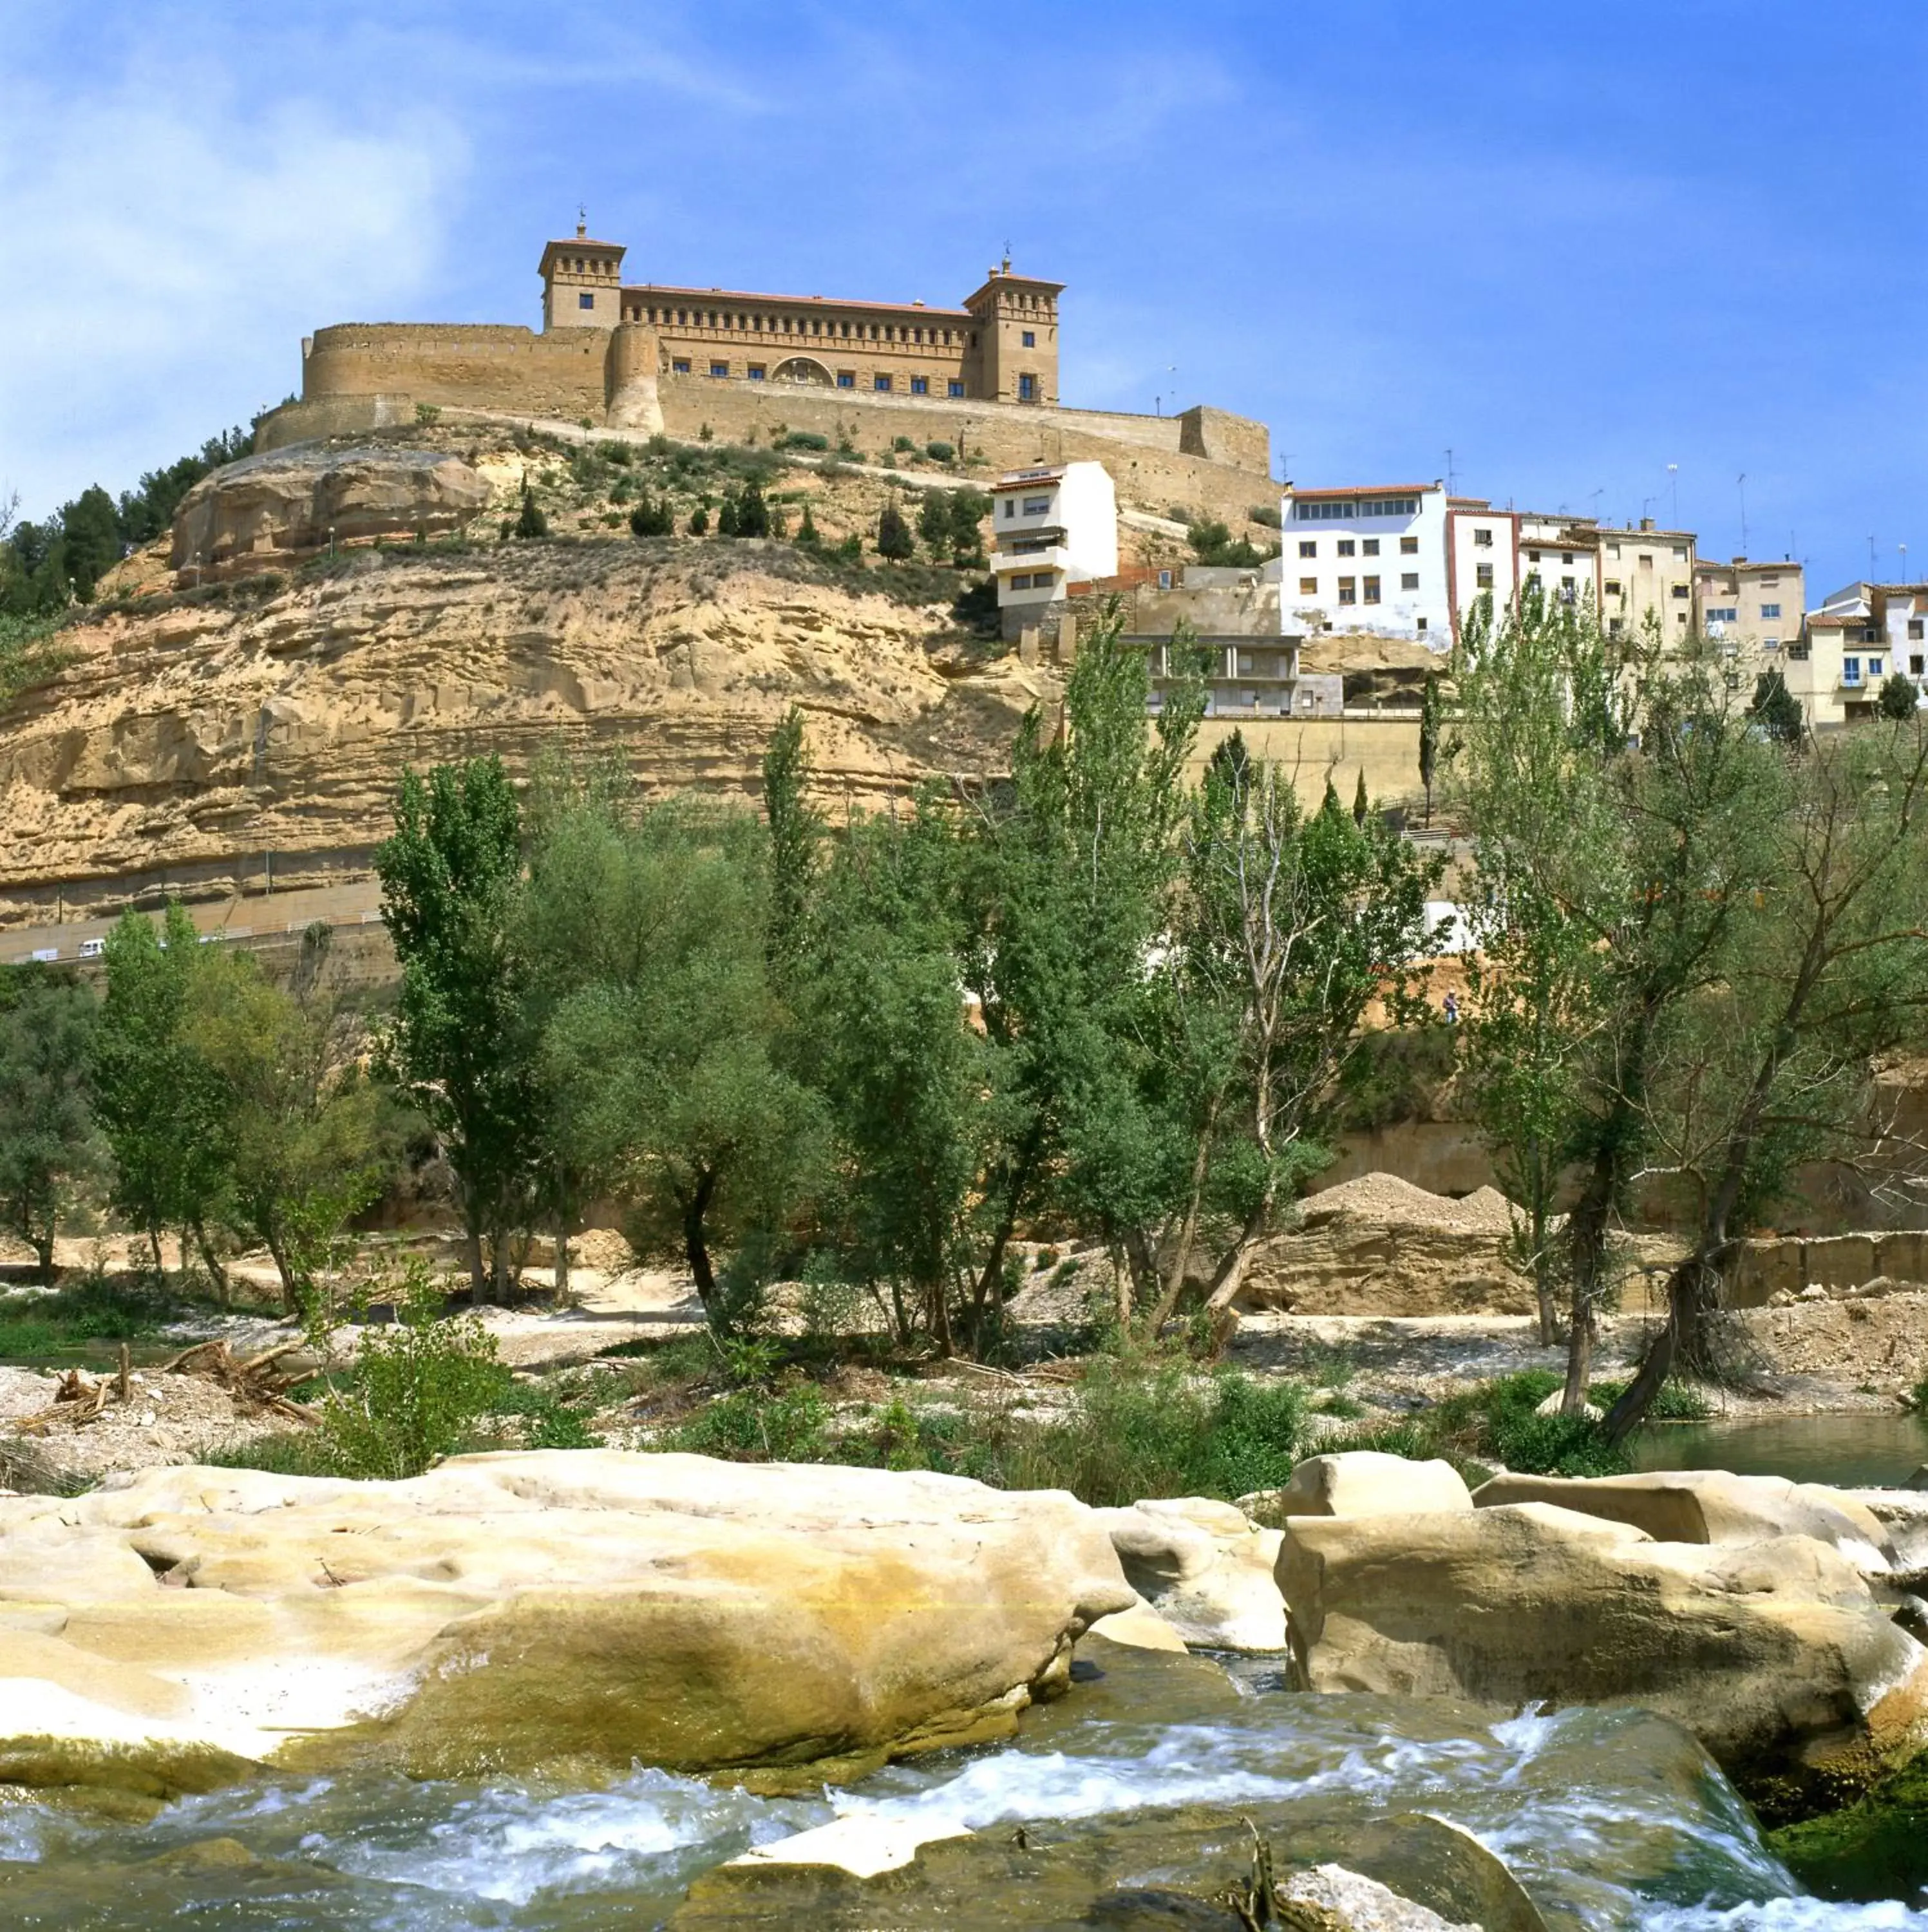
(1345, 547)
(680, 366)
(1372, 590)
(1874, 667)
(1036, 506)
(1368, 546)
(1533, 556)
(1681, 553)
(1483, 539)
(1030, 338)
(585, 300)
(1851, 670)
(1482, 574)
(1020, 581)
(1409, 546)
(1771, 610)
(955, 388)
(1914, 624)
(1010, 506)
(1915, 665)
(1028, 389)
(1348, 590)
(756, 372)
(1611, 586)
(920, 385)
(847, 379)
(1409, 580)
(881, 384)
(1309, 546)
(719, 368)
(1308, 587)
(1677, 590)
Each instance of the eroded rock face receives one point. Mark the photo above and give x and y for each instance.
(509, 1612)
(1710, 1506)
(295, 502)
(1774, 1652)
(1204, 1568)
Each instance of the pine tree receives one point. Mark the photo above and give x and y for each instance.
(699, 521)
(753, 513)
(1429, 738)
(806, 531)
(893, 535)
(531, 522)
(728, 523)
(1362, 806)
(1776, 709)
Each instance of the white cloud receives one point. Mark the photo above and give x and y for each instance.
(166, 246)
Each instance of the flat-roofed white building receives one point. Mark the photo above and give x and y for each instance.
(1559, 554)
(1367, 559)
(1052, 527)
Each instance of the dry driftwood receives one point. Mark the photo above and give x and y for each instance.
(250, 1379)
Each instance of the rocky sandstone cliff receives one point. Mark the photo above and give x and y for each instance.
(189, 735)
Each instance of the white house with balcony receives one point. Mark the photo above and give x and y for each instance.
(1052, 527)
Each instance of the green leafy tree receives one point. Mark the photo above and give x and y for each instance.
(727, 524)
(451, 876)
(933, 524)
(807, 536)
(699, 521)
(1296, 925)
(906, 1079)
(968, 508)
(1900, 697)
(1776, 709)
(50, 1151)
(1822, 975)
(311, 1143)
(1072, 887)
(159, 1104)
(646, 949)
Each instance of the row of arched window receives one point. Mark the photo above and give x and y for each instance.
(770, 324)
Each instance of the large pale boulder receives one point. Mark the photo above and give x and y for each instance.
(1710, 1506)
(1361, 1482)
(1774, 1653)
(513, 1611)
(1205, 1568)
(295, 502)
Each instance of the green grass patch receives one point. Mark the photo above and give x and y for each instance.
(71, 1319)
(1127, 1433)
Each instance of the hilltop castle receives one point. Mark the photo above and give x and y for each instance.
(645, 356)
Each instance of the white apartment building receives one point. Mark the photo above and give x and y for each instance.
(1560, 556)
(1369, 559)
(1051, 526)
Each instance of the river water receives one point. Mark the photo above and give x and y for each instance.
(1851, 1449)
(1608, 1819)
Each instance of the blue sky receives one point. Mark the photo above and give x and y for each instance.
(1573, 246)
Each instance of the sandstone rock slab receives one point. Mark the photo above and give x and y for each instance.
(1206, 1569)
(512, 1611)
(1710, 1506)
(1774, 1653)
(1362, 1482)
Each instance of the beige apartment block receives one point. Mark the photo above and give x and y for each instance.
(1759, 606)
(1647, 574)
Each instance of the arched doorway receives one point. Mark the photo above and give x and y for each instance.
(804, 369)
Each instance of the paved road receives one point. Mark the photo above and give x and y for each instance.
(260, 917)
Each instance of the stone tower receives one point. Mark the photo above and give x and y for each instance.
(1017, 337)
(582, 283)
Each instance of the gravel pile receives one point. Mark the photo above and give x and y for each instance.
(1385, 1200)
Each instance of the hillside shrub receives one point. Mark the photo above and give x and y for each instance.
(652, 517)
(417, 1389)
(1268, 514)
(901, 446)
(940, 452)
(801, 439)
